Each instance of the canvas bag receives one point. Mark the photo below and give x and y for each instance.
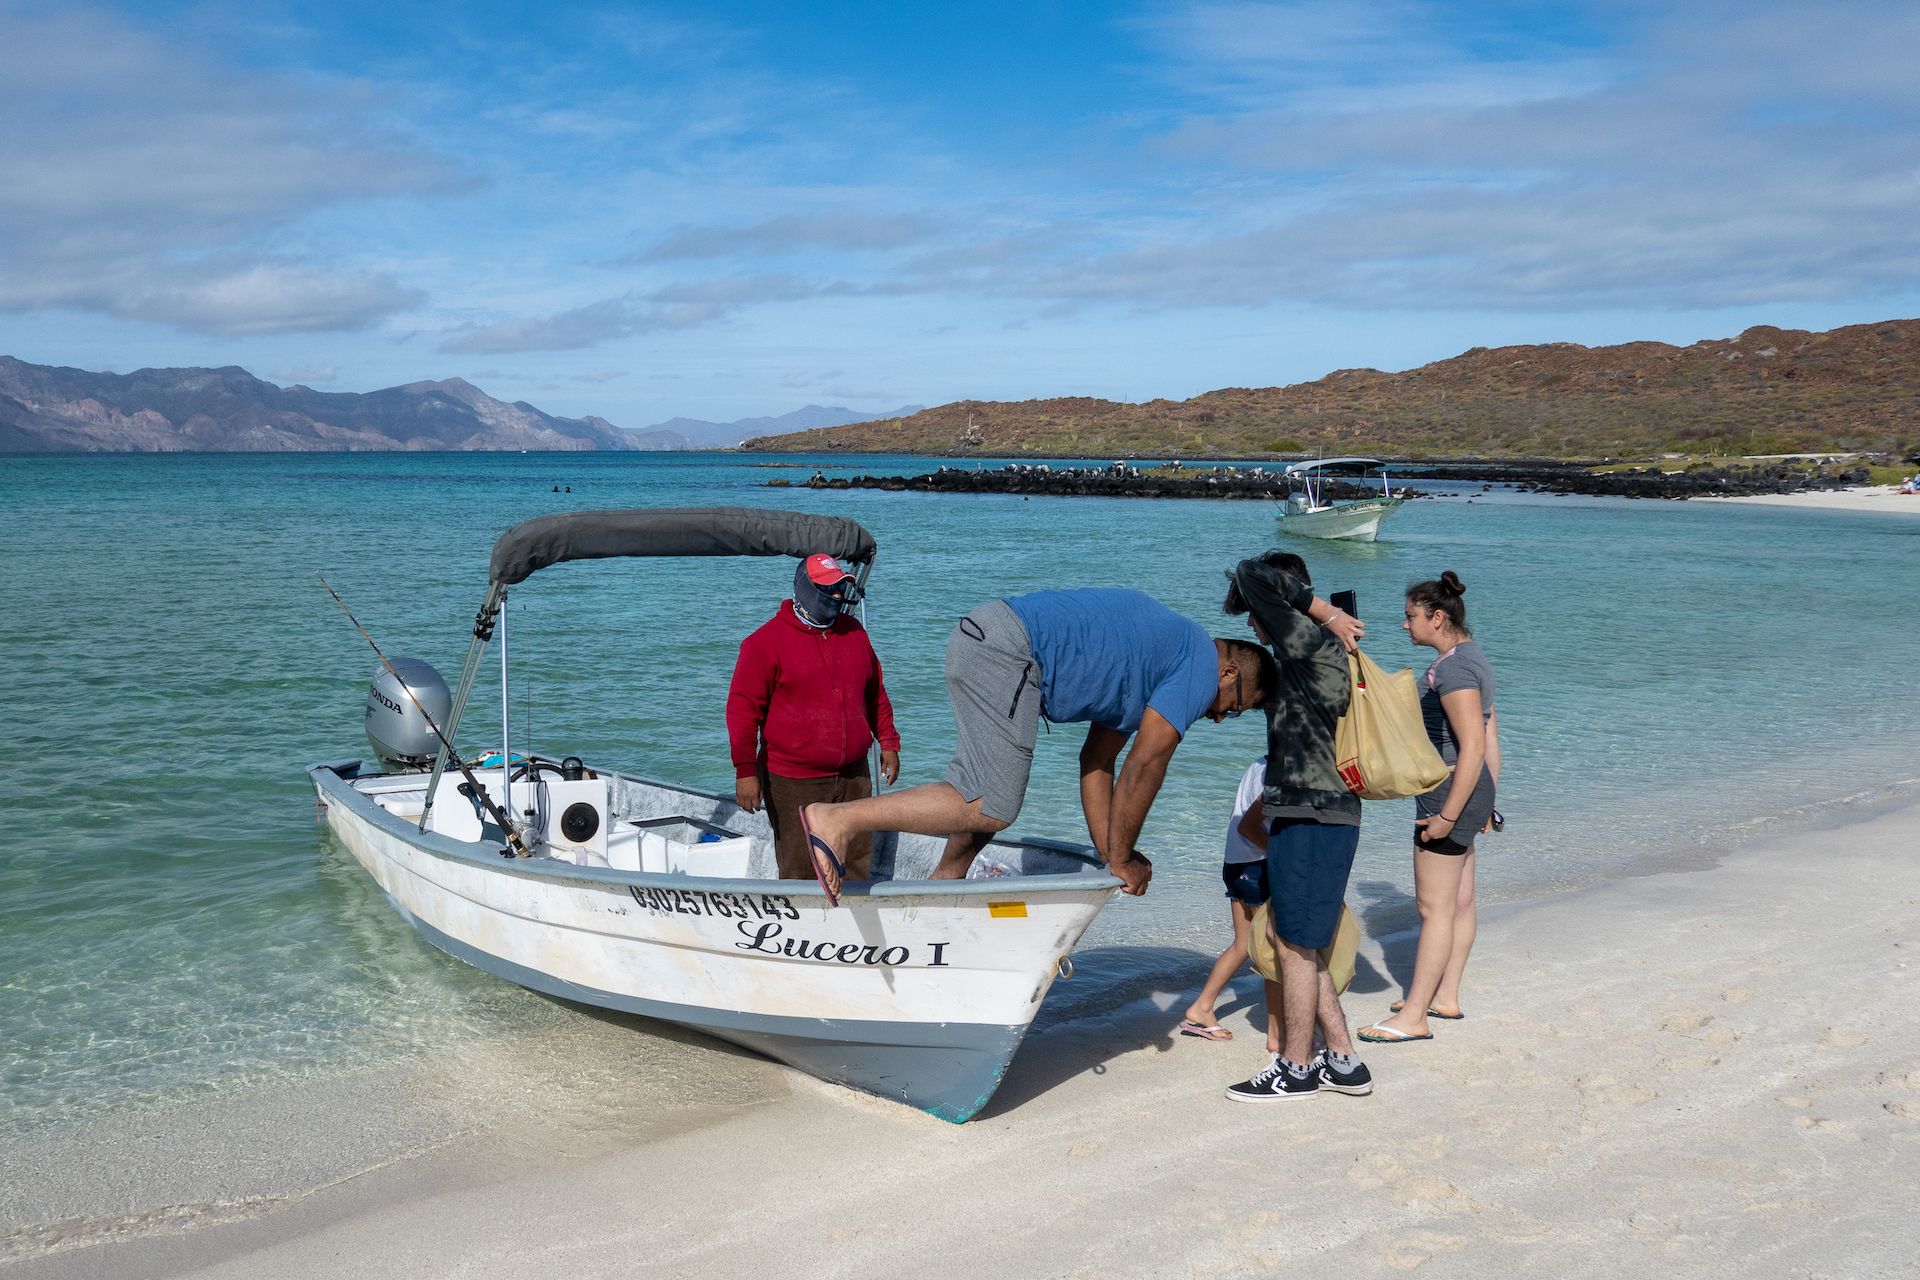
(1342, 957)
(1381, 744)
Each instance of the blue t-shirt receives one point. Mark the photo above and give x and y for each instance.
(1107, 655)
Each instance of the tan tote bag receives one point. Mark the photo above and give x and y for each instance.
(1342, 958)
(1381, 744)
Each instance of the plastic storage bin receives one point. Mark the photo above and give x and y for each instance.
(685, 846)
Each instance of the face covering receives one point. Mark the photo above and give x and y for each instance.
(815, 605)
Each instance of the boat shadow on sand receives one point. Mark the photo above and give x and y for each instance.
(1078, 1037)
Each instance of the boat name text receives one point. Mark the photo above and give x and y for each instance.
(767, 938)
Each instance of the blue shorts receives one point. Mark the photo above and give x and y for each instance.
(1246, 881)
(1307, 868)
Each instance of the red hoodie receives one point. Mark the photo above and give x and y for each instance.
(815, 698)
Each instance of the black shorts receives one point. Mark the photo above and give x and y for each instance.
(1246, 881)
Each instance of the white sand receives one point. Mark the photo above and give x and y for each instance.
(1702, 1073)
(1878, 497)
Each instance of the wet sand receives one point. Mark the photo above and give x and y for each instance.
(1878, 497)
(1692, 1073)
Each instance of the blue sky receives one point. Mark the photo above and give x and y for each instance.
(735, 209)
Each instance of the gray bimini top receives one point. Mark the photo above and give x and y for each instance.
(1334, 464)
(673, 531)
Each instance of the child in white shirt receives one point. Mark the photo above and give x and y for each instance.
(1244, 870)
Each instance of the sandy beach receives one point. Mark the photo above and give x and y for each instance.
(1694, 1072)
(1875, 497)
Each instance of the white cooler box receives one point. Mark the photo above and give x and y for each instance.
(685, 846)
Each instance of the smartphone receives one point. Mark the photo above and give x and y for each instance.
(1345, 600)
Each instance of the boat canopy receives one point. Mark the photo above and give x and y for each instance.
(1334, 464)
(673, 531)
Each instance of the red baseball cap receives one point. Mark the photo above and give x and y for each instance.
(824, 570)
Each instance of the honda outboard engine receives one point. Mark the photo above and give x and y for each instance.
(396, 728)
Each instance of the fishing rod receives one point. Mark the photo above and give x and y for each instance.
(516, 846)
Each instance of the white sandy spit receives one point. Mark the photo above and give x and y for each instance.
(1877, 497)
(1704, 1073)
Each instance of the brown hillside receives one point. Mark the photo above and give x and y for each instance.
(1767, 391)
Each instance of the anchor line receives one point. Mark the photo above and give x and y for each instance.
(473, 788)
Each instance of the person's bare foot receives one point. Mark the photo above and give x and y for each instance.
(1411, 1027)
(1201, 1015)
(1434, 1010)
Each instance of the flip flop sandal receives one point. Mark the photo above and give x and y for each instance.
(817, 849)
(1387, 1035)
(1398, 1005)
(1202, 1031)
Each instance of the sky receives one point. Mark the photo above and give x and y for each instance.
(732, 209)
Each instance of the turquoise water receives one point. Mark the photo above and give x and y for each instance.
(173, 925)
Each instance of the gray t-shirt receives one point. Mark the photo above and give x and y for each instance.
(1462, 667)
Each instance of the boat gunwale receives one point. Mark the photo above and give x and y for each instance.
(338, 787)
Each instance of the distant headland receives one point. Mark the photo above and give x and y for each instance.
(1769, 391)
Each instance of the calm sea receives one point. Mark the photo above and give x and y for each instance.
(174, 926)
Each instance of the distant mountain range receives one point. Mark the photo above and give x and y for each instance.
(694, 433)
(1767, 391)
(48, 409)
(56, 410)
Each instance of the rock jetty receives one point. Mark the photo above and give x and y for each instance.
(1119, 480)
(1122, 480)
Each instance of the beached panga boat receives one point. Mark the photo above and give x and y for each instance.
(615, 890)
(1306, 511)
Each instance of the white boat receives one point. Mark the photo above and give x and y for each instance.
(1307, 512)
(661, 901)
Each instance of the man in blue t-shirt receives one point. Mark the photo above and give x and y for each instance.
(1118, 661)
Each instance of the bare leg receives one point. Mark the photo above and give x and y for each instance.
(962, 848)
(1333, 1019)
(1300, 971)
(1272, 991)
(931, 809)
(1465, 925)
(1436, 884)
(1230, 962)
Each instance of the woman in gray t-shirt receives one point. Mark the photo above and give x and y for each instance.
(1457, 702)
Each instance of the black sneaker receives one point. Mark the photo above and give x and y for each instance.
(1358, 1082)
(1276, 1082)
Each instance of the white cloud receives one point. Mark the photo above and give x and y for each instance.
(146, 179)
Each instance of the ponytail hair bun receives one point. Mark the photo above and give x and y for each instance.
(1443, 593)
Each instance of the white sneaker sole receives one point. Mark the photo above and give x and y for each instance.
(1272, 1097)
(1351, 1090)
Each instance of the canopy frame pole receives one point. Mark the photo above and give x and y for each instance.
(469, 671)
(506, 747)
(873, 748)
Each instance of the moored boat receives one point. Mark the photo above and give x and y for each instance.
(627, 893)
(1308, 513)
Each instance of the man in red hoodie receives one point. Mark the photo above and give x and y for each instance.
(806, 703)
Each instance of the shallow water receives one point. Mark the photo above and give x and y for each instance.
(173, 926)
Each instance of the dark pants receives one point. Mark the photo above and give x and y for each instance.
(785, 796)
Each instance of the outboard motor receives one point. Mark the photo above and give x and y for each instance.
(395, 727)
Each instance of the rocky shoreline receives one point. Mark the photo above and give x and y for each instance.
(1260, 481)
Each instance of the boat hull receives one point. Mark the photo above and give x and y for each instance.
(1343, 521)
(915, 991)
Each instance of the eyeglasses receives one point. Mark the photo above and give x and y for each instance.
(1239, 698)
